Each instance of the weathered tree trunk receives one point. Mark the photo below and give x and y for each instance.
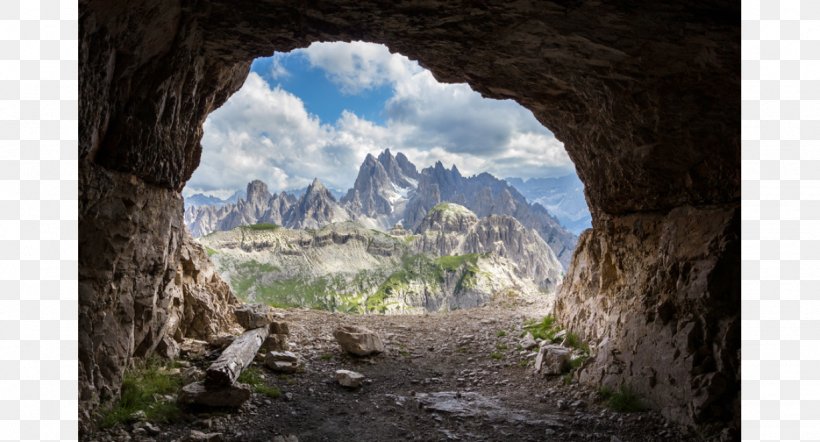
(227, 368)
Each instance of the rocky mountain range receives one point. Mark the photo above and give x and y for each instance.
(389, 190)
(455, 260)
(562, 196)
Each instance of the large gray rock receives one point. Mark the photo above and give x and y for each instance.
(552, 360)
(251, 316)
(358, 341)
(198, 393)
(284, 362)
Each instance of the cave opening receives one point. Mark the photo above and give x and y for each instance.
(646, 101)
(345, 139)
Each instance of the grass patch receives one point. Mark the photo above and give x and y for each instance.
(501, 346)
(262, 227)
(326, 357)
(210, 251)
(574, 341)
(139, 386)
(576, 363)
(496, 355)
(544, 329)
(253, 377)
(501, 333)
(623, 400)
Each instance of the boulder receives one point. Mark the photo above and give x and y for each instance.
(276, 342)
(214, 396)
(552, 360)
(349, 379)
(358, 341)
(192, 374)
(251, 316)
(284, 362)
(198, 436)
(279, 328)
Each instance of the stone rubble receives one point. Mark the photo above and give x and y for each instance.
(358, 341)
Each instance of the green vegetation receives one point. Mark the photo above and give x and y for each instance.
(545, 329)
(624, 399)
(497, 355)
(572, 340)
(501, 346)
(253, 377)
(140, 385)
(262, 227)
(501, 333)
(210, 251)
(326, 357)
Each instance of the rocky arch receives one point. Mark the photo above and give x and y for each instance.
(645, 96)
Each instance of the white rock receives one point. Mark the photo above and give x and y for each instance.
(552, 360)
(528, 342)
(358, 340)
(349, 379)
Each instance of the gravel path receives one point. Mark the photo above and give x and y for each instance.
(454, 376)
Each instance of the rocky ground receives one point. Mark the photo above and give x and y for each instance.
(456, 376)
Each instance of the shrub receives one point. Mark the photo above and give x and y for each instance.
(624, 399)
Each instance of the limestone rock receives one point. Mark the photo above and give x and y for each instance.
(284, 362)
(276, 342)
(199, 436)
(279, 328)
(552, 360)
(528, 342)
(198, 393)
(656, 296)
(358, 341)
(251, 316)
(349, 379)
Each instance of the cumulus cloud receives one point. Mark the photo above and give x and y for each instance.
(265, 132)
(359, 66)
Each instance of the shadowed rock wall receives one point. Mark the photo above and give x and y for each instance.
(645, 96)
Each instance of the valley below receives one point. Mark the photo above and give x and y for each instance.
(454, 261)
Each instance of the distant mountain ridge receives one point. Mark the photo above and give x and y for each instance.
(562, 196)
(389, 190)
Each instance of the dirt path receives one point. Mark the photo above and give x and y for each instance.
(455, 376)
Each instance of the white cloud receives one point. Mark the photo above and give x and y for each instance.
(359, 66)
(266, 133)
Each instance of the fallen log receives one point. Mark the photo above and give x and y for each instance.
(227, 368)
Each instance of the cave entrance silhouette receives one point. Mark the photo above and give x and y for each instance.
(646, 100)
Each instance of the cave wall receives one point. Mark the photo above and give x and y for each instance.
(657, 295)
(645, 96)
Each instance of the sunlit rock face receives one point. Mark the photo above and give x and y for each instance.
(646, 100)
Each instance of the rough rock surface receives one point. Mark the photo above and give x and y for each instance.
(658, 295)
(349, 379)
(646, 100)
(143, 283)
(358, 341)
(552, 360)
(198, 393)
(284, 362)
(251, 316)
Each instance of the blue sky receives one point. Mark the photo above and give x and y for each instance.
(318, 111)
(321, 96)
